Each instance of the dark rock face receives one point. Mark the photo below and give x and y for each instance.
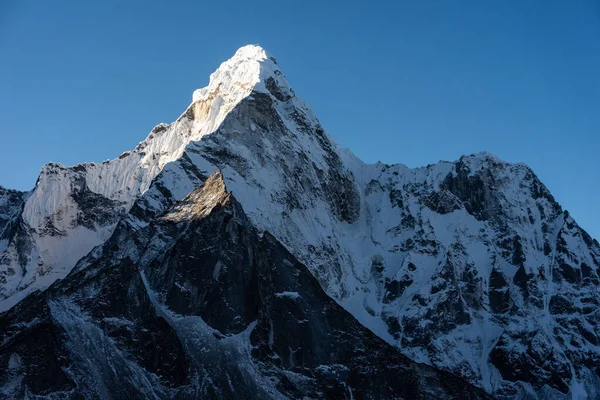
(499, 292)
(11, 202)
(94, 209)
(473, 190)
(205, 307)
(443, 202)
(275, 90)
(94, 333)
(532, 364)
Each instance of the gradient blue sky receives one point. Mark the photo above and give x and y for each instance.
(407, 81)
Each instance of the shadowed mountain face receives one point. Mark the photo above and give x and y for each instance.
(470, 266)
(10, 203)
(202, 305)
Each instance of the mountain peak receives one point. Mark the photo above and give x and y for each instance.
(201, 200)
(251, 68)
(252, 51)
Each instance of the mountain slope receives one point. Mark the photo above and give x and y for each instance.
(225, 312)
(468, 266)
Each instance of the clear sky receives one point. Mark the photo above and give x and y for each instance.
(397, 81)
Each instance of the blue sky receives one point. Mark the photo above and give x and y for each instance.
(407, 81)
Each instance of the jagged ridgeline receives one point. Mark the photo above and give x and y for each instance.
(239, 252)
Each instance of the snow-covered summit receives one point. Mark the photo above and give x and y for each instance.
(251, 68)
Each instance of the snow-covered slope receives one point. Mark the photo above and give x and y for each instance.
(470, 266)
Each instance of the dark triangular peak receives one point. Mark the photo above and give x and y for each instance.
(201, 200)
(205, 266)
